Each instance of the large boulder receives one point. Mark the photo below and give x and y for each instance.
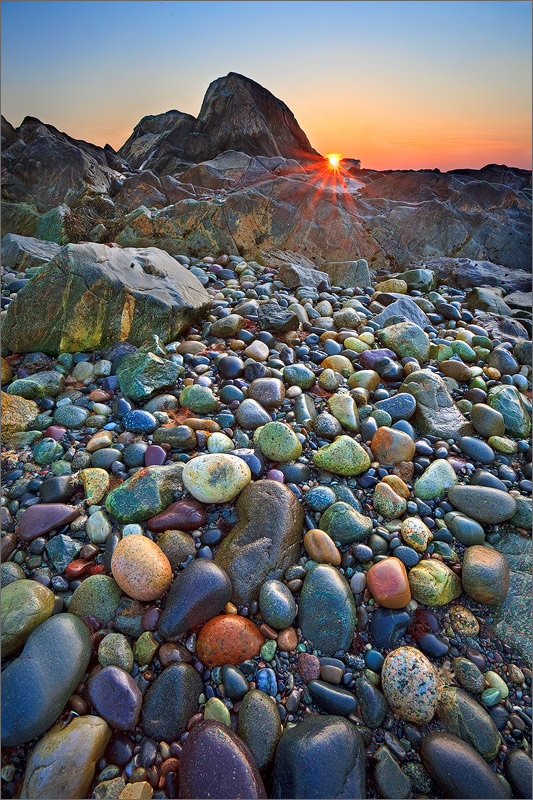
(91, 295)
(236, 114)
(21, 252)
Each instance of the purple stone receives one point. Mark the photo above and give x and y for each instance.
(276, 475)
(110, 383)
(369, 358)
(155, 456)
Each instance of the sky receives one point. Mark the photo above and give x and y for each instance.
(400, 85)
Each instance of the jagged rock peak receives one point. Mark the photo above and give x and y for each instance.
(236, 114)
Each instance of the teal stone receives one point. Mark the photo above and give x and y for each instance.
(268, 650)
(148, 492)
(383, 418)
(70, 416)
(523, 517)
(199, 399)
(61, 467)
(46, 451)
(41, 384)
(298, 375)
(259, 726)
(344, 524)
(406, 339)
(62, 550)
(466, 530)
(43, 677)
(435, 480)
(491, 696)
(508, 401)
(319, 498)
(277, 604)
(147, 371)
(24, 439)
(327, 615)
(421, 279)
(463, 716)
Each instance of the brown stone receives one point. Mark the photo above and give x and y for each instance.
(184, 515)
(391, 446)
(287, 640)
(228, 639)
(320, 547)
(44, 517)
(457, 370)
(140, 568)
(388, 583)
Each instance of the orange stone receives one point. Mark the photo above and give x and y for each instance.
(387, 580)
(287, 640)
(391, 446)
(397, 485)
(228, 639)
(140, 568)
(99, 396)
(321, 548)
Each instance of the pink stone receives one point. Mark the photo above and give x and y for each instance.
(55, 432)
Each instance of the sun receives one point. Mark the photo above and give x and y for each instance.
(334, 160)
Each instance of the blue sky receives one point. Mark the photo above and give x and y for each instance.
(397, 84)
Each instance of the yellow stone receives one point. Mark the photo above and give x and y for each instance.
(364, 379)
(140, 790)
(6, 373)
(99, 440)
(357, 345)
(17, 413)
(338, 364)
(463, 621)
(96, 483)
(367, 337)
(392, 285)
(397, 485)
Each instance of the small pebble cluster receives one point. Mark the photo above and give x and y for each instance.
(285, 555)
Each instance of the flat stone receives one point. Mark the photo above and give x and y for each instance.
(278, 442)
(183, 515)
(97, 596)
(483, 503)
(436, 413)
(327, 615)
(344, 524)
(145, 494)
(116, 697)
(435, 480)
(390, 446)
(259, 726)
(44, 517)
(459, 714)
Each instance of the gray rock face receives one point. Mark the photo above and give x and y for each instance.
(91, 295)
(323, 756)
(348, 273)
(236, 114)
(265, 541)
(21, 252)
(465, 273)
(43, 677)
(294, 275)
(436, 413)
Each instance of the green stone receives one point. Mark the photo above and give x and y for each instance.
(298, 375)
(46, 451)
(199, 399)
(148, 492)
(502, 445)
(344, 524)
(435, 480)
(462, 716)
(278, 442)
(41, 384)
(97, 596)
(406, 339)
(439, 352)
(433, 583)
(491, 696)
(147, 371)
(496, 681)
(25, 604)
(387, 503)
(466, 530)
(344, 408)
(145, 648)
(259, 726)
(114, 650)
(61, 467)
(70, 416)
(215, 709)
(344, 456)
(268, 649)
(507, 400)
(327, 615)
(523, 517)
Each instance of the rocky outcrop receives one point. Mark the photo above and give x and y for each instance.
(236, 114)
(90, 296)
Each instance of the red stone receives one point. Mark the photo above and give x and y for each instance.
(228, 639)
(76, 569)
(43, 518)
(55, 432)
(184, 515)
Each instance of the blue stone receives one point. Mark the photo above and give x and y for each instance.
(319, 498)
(138, 421)
(277, 604)
(400, 406)
(265, 681)
(374, 660)
(388, 625)
(407, 555)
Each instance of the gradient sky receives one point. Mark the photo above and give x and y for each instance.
(396, 84)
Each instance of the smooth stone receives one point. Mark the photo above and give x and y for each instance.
(320, 547)
(178, 547)
(476, 449)
(485, 575)
(387, 581)
(387, 503)
(95, 483)
(44, 517)
(155, 456)
(179, 437)
(390, 446)
(63, 762)
(265, 541)
(518, 769)
(327, 615)
(183, 515)
(235, 683)
(170, 702)
(433, 583)
(139, 421)
(114, 650)
(463, 621)
(98, 527)
(58, 489)
(416, 534)
(140, 568)
(197, 594)
(487, 421)
(333, 699)
(400, 406)
(344, 408)
(216, 477)
(344, 456)
(390, 780)
(459, 714)
(435, 480)
(436, 413)
(508, 401)
(25, 605)
(410, 685)
(465, 530)
(268, 392)
(54, 659)
(214, 762)
(116, 697)
(96, 596)
(458, 770)
(278, 442)
(251, 415)
(259, 726)
(228, 639)
(215, 709)
(277, 604)
(344, 524)
(469, 676)
(406, 339)
(483, 503)
(148, 492)
(321, 757)
(388, 626)
(372, 702)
